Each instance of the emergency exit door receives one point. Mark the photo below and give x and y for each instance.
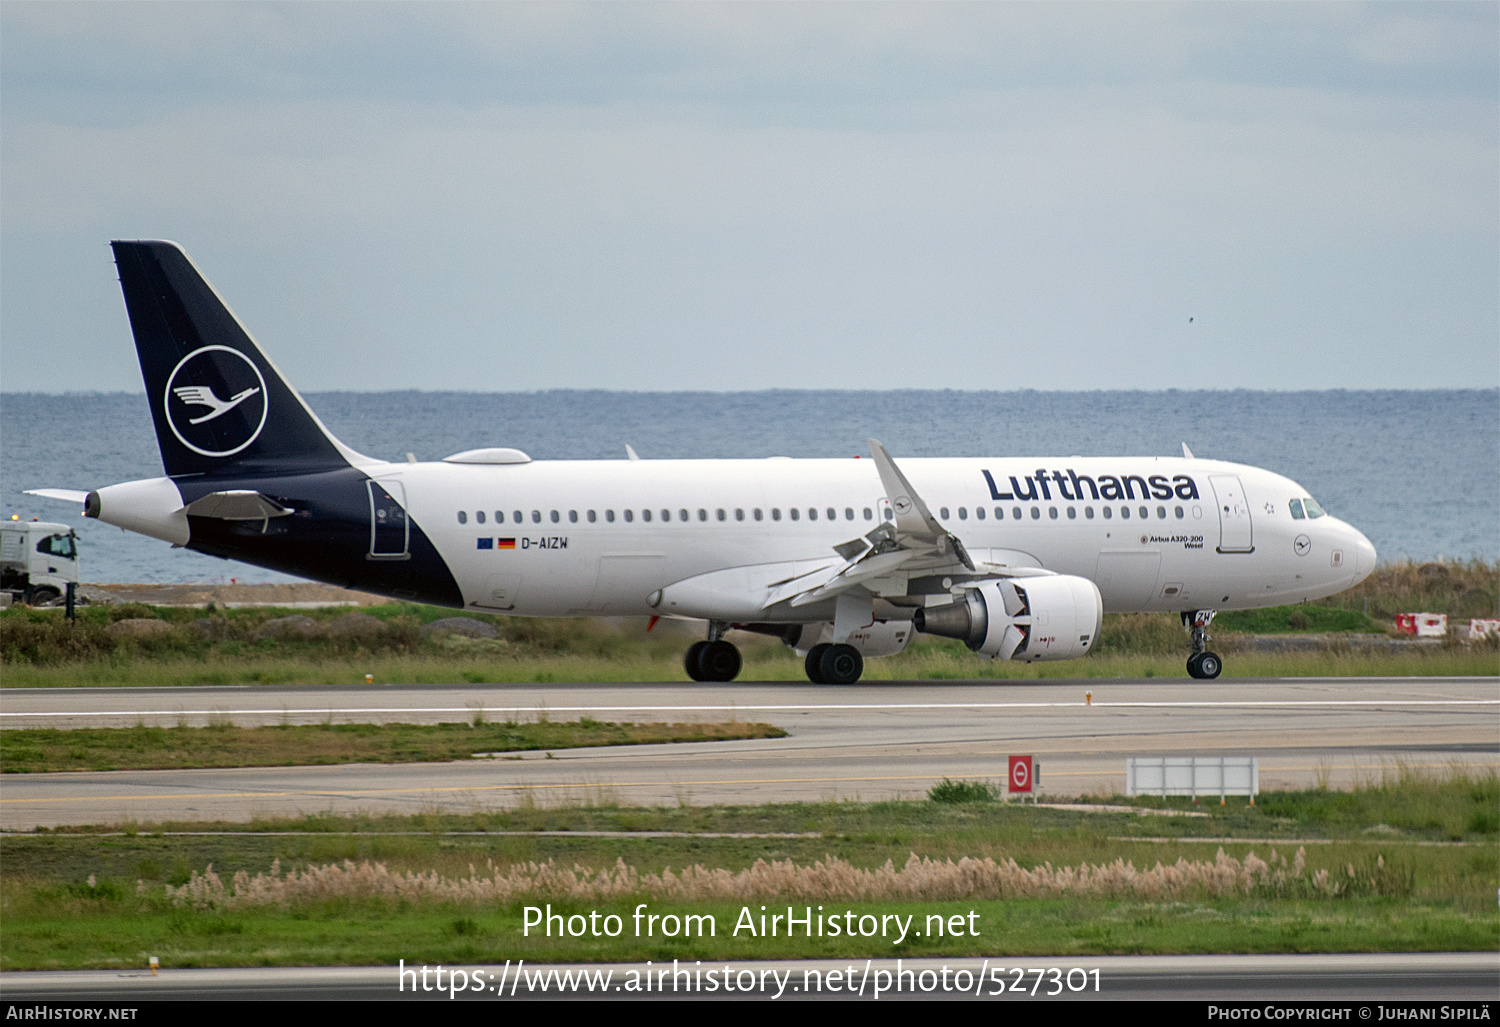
(1236, 533)
(390, 530)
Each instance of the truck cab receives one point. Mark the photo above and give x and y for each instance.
(37, 560)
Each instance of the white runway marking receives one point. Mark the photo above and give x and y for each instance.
(782, 707)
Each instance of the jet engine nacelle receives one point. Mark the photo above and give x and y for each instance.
(882, 638)
(1052, 618)
(152, 507)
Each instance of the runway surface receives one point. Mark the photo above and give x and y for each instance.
(1361, 979)
(869, 741)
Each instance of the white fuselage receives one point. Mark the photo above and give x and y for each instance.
(600, 537)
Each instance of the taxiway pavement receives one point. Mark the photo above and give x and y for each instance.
(870, 741)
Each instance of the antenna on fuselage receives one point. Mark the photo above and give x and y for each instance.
(630, 453)
(1187, 452)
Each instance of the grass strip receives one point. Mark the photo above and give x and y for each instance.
(921, 662)
(64, 929)
(42, 750)
(1400, 803)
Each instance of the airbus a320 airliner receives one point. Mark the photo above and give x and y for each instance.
(842, 559)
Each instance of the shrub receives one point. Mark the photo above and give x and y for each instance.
(963, 791)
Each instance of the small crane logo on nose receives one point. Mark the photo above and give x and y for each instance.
(1302, 545)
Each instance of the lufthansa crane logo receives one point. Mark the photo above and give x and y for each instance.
(216, 401)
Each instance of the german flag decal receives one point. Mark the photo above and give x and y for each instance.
(505, 543)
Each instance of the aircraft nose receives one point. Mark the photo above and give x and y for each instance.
(1364, 555)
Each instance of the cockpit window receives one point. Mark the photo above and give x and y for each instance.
(1297, 513)
(1313, 509)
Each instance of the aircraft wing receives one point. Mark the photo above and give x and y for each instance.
(66, 495)
(915, 543)
(916, 529)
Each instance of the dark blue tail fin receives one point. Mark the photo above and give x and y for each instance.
(219, 405)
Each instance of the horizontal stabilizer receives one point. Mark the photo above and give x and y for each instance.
(237, 505)
(66, 495)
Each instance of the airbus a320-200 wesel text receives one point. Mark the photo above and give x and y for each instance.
(842, 559)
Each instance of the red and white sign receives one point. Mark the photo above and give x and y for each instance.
(1022, 774)
(1429, 625)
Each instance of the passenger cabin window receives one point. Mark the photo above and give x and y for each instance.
(1072, 513)
(645, 515)
(499, 516)
(555, 516)
(1108, 513)
(979, 512)
(629, 516)
(739, 514)
(757, 513)
(516, 516)
(833, 514)
(963, 513)
(609, 515)
(682, 515)
(1161, 512)
(593, 517)
(1088, 513)
(812, 513)
(479, 516)
(721, 515)
(463, 517)
(1125, 512)
(1144, 513)
(848, 513)
(1297, 513)
(795, 513)
(572, 516)
(775, 513)
(943, 512)
(1178, 511)
(869, 514)
(1036, 513)
(536, 517)
(1052, 512)
(890, 514)
(666, 515)
(1313, 509)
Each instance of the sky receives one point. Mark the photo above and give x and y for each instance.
(668, 196)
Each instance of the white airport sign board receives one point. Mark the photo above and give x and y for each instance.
(1192, 775)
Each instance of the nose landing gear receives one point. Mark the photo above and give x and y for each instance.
(1202, 664)
(713, 659)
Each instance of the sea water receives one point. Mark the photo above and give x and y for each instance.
(1416, 471)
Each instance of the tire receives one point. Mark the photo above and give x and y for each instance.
(692, 661)
(841, 665)
(1192, 665)
(719, 661)
(1209, 666)
(814, 662)
(43, 595)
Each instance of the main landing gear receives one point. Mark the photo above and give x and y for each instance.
(834, 664)
(1202, 664)
(713, 659)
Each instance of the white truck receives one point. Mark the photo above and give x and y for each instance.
(37, 561)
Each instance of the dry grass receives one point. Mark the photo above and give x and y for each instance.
(920, 879)
(1459, 588)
